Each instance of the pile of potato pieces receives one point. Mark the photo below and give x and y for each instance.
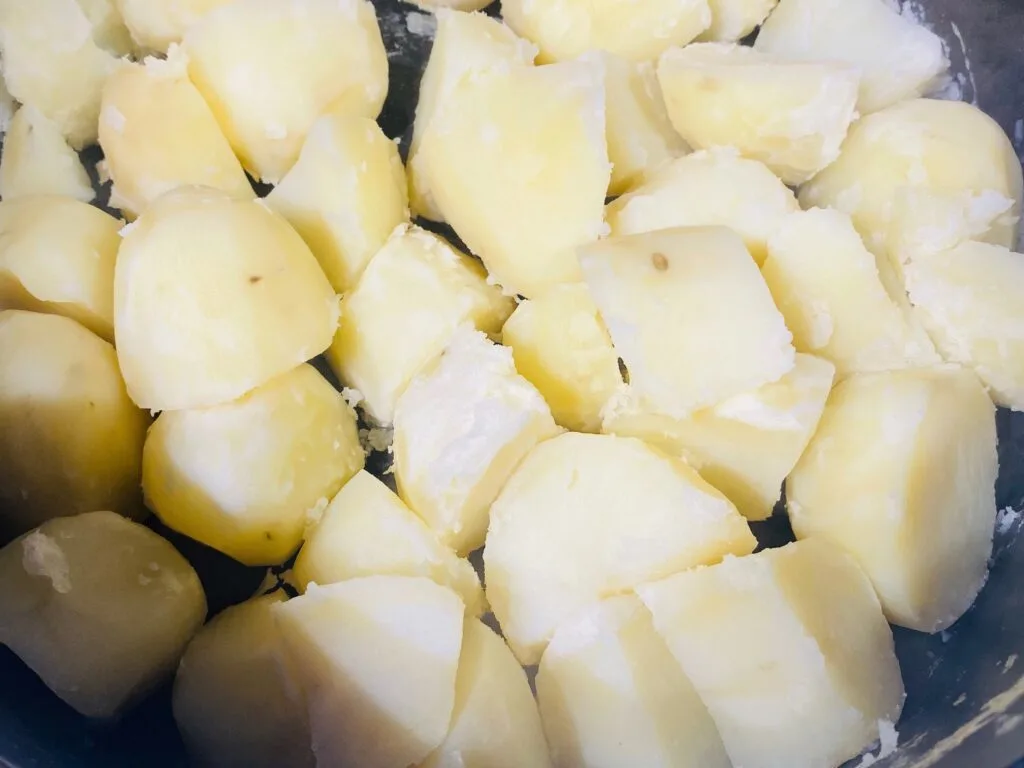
(666, 362)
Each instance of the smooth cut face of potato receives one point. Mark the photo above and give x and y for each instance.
(268, 69)
(519, 167)
(38, 161)
(744, 446)
(901, 475)
(414, 294)
(99, 607)
(214, 297)
(611, 694)
(377, 660)
(589, 516)
(732, 20)
(461, 428)
(345, 195)
(820, 679)
(708, 188)
(791, 116)
(690, 315)
(156, 24)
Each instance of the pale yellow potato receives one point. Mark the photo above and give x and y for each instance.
(676, 298)
(156, 24)
(519, 167)
(7, 105)
(70, 439)
(57, 256)
(461, 428)
(345, 195)
(712, 187)
(788, 649)
(744, 446)
(792, 116)
(108, 28)
(612, 695)
(157, 134)
(411, 298)
(900, 474)
(38, 161)
(560, 345)
(589, 516)
(377, 659)
(466, 6)
(214, 297)
(732, 20)
(268, 69)
(101, 608)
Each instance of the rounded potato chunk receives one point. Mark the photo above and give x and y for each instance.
(611, 694)
(99, 607)
(214, 297)
(37, 161)
(155, 24)
(268, 69)
(901, 475)
(788, 649)
(588, 516)
(732, 20)
(293, 439)
(70, 439)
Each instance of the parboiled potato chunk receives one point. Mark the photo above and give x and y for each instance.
(792, 116)
(99, 607)
(461, 428)
(298, 58)
(901, 475)
(675, 299)
(156, 24)
(377, 659)
(589, 516)
(214, 297)
(415, 292)
(788, 649)
(732, 20)
(70, 439)
(611, 694)
(108, 28)
(38, 161)
(744, 446)
(716, 187)
(519, 168)
(345, 195)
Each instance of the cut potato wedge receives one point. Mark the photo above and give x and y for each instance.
(38, 161)
(156, 24)
(732, 20)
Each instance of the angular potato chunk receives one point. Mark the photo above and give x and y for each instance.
(611, 694)
(588, 516)
(461, 428)
(37, 161)
(744, 446)
(155, 24)
(233, 700)
(377, 660)
(732, 20)
(675, 298)
(411, 298)
(716, 187)
(789, 651)
(345, 195)
(901, 475)
(519, 167)
(214, 297)
(792, 116)
(99, 607)
(268, 69)
(560, 345)
(70, 439)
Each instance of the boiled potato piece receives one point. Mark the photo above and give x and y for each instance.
(247, 299)
(519, 167)
(7, 105)
(560, 345)
(108, 28)
(792, 116)
(461, 428)
(70, 439)
(157, 134)
(298, 58)
(99, 607)
(411, 298)
(788, 649)
(588, 516)
(732, 20)
(345, 195)
(156, 24)
(715, 187)
(377, 660)
(612, 695)
(37, 161)
(675, 298)
(744, 446)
